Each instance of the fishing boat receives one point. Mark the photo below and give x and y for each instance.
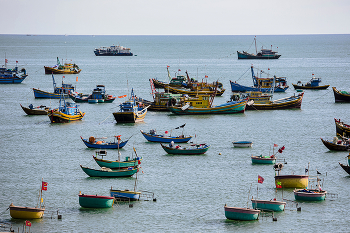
(342, 128)
(268, 205)
(11, 76)
(95, 201)
(98, 96)
(20, 212)
(268, 159)
(237, 213)
(268, 84)
(57, 91)
(292, 102)
(67, 68)
(292, 181)
(306, 194)
(114, 50)
(152, 136)
(313, 84)
(263, 54)
(108, 172)
(66, 112)
(193, 149)
(198, 89)
(346, 167)
(125, 195)
(130, 111)
(341, 96)
(242, 144)
(95, 143)
(336, 144)
(31, 110)
(117, 164)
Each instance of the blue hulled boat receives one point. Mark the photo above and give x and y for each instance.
(274, 84)
(8, 76)
(98, 144)
(56, 94)
(152, 136)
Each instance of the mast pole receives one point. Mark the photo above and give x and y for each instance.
(256, 50)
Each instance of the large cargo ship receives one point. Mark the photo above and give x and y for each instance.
(113, 51)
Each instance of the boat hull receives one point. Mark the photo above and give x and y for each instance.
(186, 151)
(227, 108)
(34, 111)
(192, 92)
(161, 138)
(235, 87)
(253, 56)
(125, 195)
(334, 146)
(50, 70)
(263, 160)
(309, 196)
(345, 167)
(310, 87)
(340, 97)
(341, 128)
(242, 144)
(117, 164)
(59, 117)
(245, 214)
(284, 103)
(292, 181)
(46, 95)
(129, 117)
(20, 212)
(94, 201)
(109, 173)
(276, 206)
(11, 80)
(106, 145)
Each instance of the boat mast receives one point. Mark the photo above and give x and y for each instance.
(256, 50)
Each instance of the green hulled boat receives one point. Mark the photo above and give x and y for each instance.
(95, 201)
(236, 213)
(266, 205)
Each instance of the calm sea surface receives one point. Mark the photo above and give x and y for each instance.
(191, 191)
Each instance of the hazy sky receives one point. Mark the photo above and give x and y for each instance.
(175, 17)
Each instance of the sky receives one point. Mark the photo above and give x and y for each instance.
(175, 17)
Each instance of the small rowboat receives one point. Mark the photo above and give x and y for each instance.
(116, 164)
(341, 96)
(263, 159)
(341, 128)
(20, 212)
(267, 205)
(107, 172)
(195, 149)
(337, 145)
(95, 201)
(313, 84)
(96, 144)
(242, 144)
(153, 137)
(309, 194)
(125, 195)
(237, 213)
(41, 110)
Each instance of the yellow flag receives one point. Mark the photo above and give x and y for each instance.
(42, 200)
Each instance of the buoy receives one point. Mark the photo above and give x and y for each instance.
(299, 209)
(131, 205)
(219, 153)
(274, 219)
(154, 199)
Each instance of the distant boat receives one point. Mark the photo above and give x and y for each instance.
(98, 96)
(269, 84)
(66, 112)
(11, 76)
(292, 102)
(306, 194)
(268, 159)
(268, 205)
(67, 68)
(108, 172)
(114, 50)
(95, 201)
(242, 144)
(341, 96)
(125, 195)
(95, 143)
(56, 94)
(336, 144)
(31, 110)
(130, 111)
(237, 213)
(152, 136)
(263, 54)
(117, 164)
(341, 128)
(194, 149)
(313, 84)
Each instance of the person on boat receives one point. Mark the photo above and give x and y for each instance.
(31, 106)
(171, 145)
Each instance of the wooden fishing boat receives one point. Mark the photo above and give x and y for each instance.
(242, 144)
(57, 91)
(268, 84)
(31, 110)
(95, 201)
(196, 91)
(341, 96)
(98, 96)
(346, 167)
(20, 212)
(292, 181)
(237, 213)
(194, 149)
(93, 142)
(283, 103)
(338, 145)
(11, 76)
(263, 54)
(342, 128)
(67, 68)
(117, 164)
(267, 205)
(109, 173)
(309, 194)
(125, 195)
(66, 112)
(152, 136)
(130, 111)
(313, 84)
(226, 108)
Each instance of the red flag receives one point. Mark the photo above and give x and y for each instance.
(28, 223)
(260, 179)
(278, 185)
(179, 70)
(167, 66)
(16, 61)
(206, 76)
(122, 96)
(275, 145)
(166, 132)
(63, 76)
(280, 150)
(44, 186)
(6, 61)
(139, 161)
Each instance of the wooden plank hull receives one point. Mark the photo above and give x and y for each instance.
(109, 173)
(340, 97)
(106, 145)
(20, 212)
(94, 201)
(34, 111)
(334, 146)
(245, 214)
(345, 167)
(267, 205)
(50, 70)
(59, 117)
(263, 160)
(284, 103)
(310, 87)
(186, 151)
(118, 164)
(130, 117)
(341, 128)
(162, 138)
(292, 181)
(125, 195)
(242, 144)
